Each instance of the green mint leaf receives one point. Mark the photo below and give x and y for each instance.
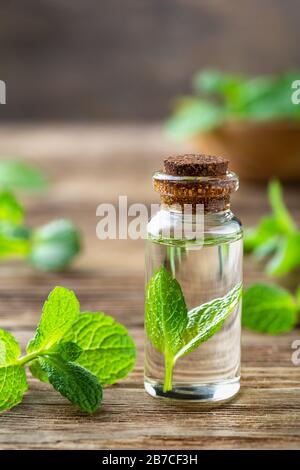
(280, 212)
(54, 245)
(60, 311)
(174, 331)
(165, 318)
(9, 348)
(275, 235)
(224, 85)
(10, 208)
(107, 349)
(287, 256)
(207, 319)
(267, 229)
(269, 309)
(74, 382)
(14, 240)
(37, 371)
(17, 175)
(13, 385)
(166, 312)
(67, 350)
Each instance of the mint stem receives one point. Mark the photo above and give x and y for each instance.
(31, 357)
(169, 366)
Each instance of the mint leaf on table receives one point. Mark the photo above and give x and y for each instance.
(172, 329)
(13, 386)
(74, 382)
(13, 383)
(67, 350)
(66, 341)
(60, 311)
(107, 349)
(9, 348)
(54, 245)
(18, 175)
(269, 309)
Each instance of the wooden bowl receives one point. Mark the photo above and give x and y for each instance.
(257, 151)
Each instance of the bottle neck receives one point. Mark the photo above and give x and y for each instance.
(212, 194)
(207, 206)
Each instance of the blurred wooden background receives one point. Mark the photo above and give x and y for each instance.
(116, 59)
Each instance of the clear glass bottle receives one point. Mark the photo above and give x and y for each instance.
(193, 289)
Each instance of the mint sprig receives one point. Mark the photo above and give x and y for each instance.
(76, 353)
(48, 248)
(268, 308)
(172, 329)
(221, 97)
(276, 236)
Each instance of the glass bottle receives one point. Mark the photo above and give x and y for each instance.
(193, 283)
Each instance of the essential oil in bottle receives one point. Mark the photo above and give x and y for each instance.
(193, 283)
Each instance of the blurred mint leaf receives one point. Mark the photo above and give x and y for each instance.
(287, 255)
(193, 115)
(10, 209)
(269, 309)
(18, 175)
(280, 213)
(54, 245)
(14, 240)
(267, 229)
(275, 235)
(107, 349)
(74, 382)
(226, 86)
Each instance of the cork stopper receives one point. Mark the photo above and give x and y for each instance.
(196, 179)
(195, 165)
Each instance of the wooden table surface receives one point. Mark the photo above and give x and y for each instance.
(88, 165)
